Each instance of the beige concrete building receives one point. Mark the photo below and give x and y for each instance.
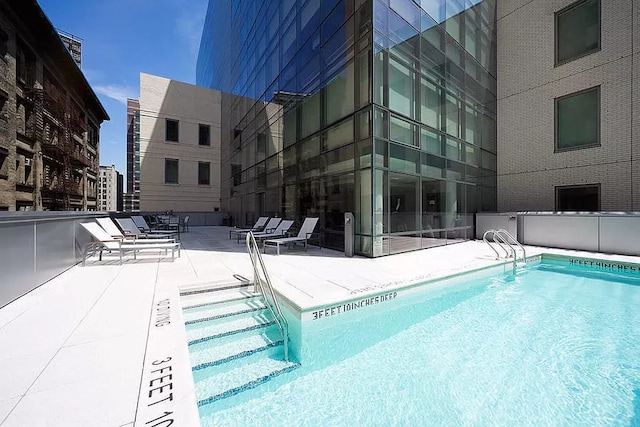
(568, 105)
(179, 146)
(108, 189)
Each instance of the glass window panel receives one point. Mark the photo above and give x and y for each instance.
(405, 203)
(470, 125)
(408, 10)
(363, 154)
(403, 131)
(403, 159)
(380, 17)
(433, 208)
(310, 17)
(453, 115)
(380, 123)
(363, 124)
(380, 202)
(472, 155)
(171, 171)
(289, 130)
(430, 99)
(578, 120)
(339, 95)
(310, 115)
(204, 134)
(338, 136)
(379, 74)
(204, 172)
(364, 65)
(455, 170)
(171, 130)
(337, 161)
(435, 9)
(381, 153)
(454, 149)
(432, 166)
(364, 208)
(401, 88)
(430, 141)
(578, 30)
(584, 198)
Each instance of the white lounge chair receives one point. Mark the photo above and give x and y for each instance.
(306, 231)
(270, 227)
(280, 231)
(172, 226)
(104, 242)
(260, 223)
(110, 227)
(130, 228)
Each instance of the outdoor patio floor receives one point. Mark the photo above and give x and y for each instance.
(72, 350)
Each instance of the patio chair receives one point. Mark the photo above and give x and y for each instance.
(280, 231)
(104, 242)
(258, 226)
(306, 231)
(110, 227)
(185, 224)
(171, 225)
(130, 228)
(271, 225)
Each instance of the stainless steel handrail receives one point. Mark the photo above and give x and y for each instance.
(486, 240)
(512, 240)
(497, 237)
(274, 307)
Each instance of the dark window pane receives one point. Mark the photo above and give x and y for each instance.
(404, 202)
(170, 171)
(203, 173)
(578, 199)
(171, 130)
(578, 30)
(204, 135)
(578, 119)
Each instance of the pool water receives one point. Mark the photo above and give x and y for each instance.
(554, 345)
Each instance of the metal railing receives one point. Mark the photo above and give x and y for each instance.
(506, 241)
(263, 285)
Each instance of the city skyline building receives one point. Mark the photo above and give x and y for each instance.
(132, 196)
(108, 189)
(383, 109)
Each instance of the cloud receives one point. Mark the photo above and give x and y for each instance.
(189, 24)
(119, 93)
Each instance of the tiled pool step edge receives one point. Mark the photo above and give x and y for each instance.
(232, 332)
(214, 303)
(251, 384)
(216, 289)
(236, 356)
(223, 315)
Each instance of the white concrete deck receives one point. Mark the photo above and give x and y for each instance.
(72, 352)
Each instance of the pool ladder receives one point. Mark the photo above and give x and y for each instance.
(262, 284)
(507, 243)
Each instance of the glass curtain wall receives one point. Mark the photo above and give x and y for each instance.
(383, 108)
(434, 122)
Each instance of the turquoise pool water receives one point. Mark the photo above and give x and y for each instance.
(556, 345)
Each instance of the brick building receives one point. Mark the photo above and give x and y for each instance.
(49, 117)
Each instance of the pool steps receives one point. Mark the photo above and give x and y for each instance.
(234, 343)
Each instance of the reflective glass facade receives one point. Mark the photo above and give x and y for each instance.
(382, 108)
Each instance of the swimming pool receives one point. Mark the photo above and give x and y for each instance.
(556, 344)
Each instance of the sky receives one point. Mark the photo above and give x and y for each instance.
(120, 39)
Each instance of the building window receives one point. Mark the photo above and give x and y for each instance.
(4, 41)
(577, 30)
(4, 164)
(204, 135)
(578, 198)
(578, 120)
(172, 130)
(170, 171)
(204, 171)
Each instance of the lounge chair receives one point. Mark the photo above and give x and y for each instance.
(171, 226)
(130, 228)
(104, 242)
(110, 227)
(280, 231)
(270, 227)
(258, 226)
(306, 231)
